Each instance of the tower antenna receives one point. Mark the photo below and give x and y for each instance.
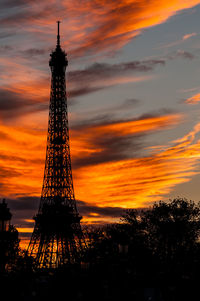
(58, 35)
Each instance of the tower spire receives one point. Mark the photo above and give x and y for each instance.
(58, 35)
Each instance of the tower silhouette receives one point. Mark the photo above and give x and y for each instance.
(57, 238)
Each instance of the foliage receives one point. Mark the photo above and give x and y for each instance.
(9, 248)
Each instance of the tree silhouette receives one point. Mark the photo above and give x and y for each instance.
(9, 248)
(172, 227)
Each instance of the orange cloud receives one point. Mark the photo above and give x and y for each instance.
(139, 126)
(93, 26)
(115, 23)
(125, 182)
(195, 99)
(21, 160)
(137, 182)
(92, 144)
(21, 154)
(189, 35)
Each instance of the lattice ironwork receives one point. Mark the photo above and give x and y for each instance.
(57, 237)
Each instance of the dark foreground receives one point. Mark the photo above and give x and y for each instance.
(116, 281)
(152, 255)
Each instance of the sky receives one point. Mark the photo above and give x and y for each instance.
(133, 86)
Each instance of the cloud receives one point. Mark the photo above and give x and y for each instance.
(108, 140)
(99, 76)
(21, 155)
(13, 3)
(138, 181)
(112, 178)
(76, 92)
(95, 142)
(26, 95)
(103, 71)
(24, 208)
(92, 27)
(87, 209)
(24, 203)
(178, 42)
(185, 54)
(117, 22)
(32, 52)
(8, 173)
(13, 104)
(179, 54)
(188, 36)
(195, 99)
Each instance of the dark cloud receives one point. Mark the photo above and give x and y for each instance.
(8, 173)
(130, 102)
(81, 82)
(24, 208)
(111, 146)
(103, 71)
(86, 209)
(27, 14)
(14, 104)
(185, 54)
(32, 52)
(4, 35)
(11, 101)
(11, 158)
(24, 203)
(107, 119)
(83, 91)
(180, 54)
(96, 76)
(13, 3)
(5, 48)
(4, 136)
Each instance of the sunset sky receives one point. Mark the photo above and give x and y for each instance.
(133, 85)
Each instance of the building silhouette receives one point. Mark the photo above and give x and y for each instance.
(9, 242)
(57, 238)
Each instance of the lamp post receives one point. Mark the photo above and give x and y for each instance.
(5, 217)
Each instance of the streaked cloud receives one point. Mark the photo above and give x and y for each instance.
(120, 21)
(188, 36)
(113, 171)
(24, 95)
(99, 144)
(195, 99)
(110, 140)
(179, 54)
(103, 75)
(179, 41)
(92, 26)
(136, 182)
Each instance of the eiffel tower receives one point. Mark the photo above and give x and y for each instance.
(57, 238)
